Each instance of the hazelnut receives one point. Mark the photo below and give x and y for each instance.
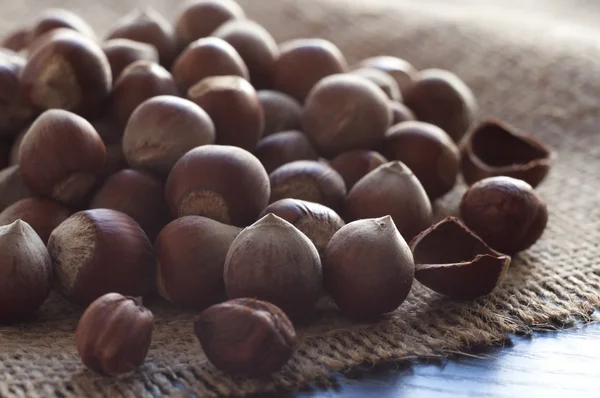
(255, 45)
(98, 251)
(114, 334)
(505, 212)
(204, 58)
(137, 194)
(123, 52)
(162, 129)
(246, 337)
(67, 71)
(494, 148)
(190, 257)
(16, 40)
(345, 112)
(285, 147)
(115, 161)
(354, 165)
(56, 18)
(403, 73)
(314, 220)
(382, 80)
(308, 180)
(303, 62)
(25, 272)
(453, 261)
(281, 112)
(272, 260)
(368, 268)
(428, 151)
(199, 18)
(225, 183)
(61, 156)
(400, 113)
(140, 81)
(233, 106)
(12, 187)
(391, 189)
(439, 97)
(41, 214)
(16, 148)
(148, 26)
(15, 109)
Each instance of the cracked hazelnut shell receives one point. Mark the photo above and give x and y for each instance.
(354, 165)
(41, 214)
(281, 112)
(123, 52)
(284, 147)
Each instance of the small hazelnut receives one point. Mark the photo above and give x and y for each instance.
(281, 112)
(16, 40)
(505, 212)
(225, 183)
(345, 112)
(314, 220)
(25, 272)
(494, 148)
(303, 62)
(56, 18)
(148, 26)
(368, 268)
(41, 214)
(403, 73)
(400, 113)
(61, 156)
(199, 18)
(123, 52)
(439, 97)
(255, 45)
(115, 161)
(190, 257)
(99, 251)
(354, 165)
(391, 189)
(114, 334)
(207, 57)
(272, 260)
(12, 187)
(246, 337)
(285, 147)
(137, 194)
(15, 109)
(308, 180)
(453, 261)
(232, 104)
(428, 151)
(161, 130)
(140, 81)
(382, 80)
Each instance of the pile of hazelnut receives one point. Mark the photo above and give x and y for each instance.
(204, 161)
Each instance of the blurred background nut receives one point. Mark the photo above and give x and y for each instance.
(281, 112)
(123, 52)
(284, 147)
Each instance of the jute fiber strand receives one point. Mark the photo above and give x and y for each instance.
(537, 70)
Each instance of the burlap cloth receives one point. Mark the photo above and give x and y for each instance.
(532, 63)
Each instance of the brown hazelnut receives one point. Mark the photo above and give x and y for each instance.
(41, 214)
(137, 194)
(382, 80)
(246, 337)
(25, 272)
(368, 268)
(303, 62)
(494, 148)
(115, 161)
(61, 156)
(123, 52)
(272, 260)
(345, 112)
(148, 26)
(400, 113)
(440, 97)
(453, 261)
(281, 112)
(428, 151)
(56, 18)
(199, 18)
(308, 180)
(505, 212)
(16, 40)
(207, 57)
(162, 129)
(285, 147)
(98, 251)
(232, 104)
(314, 220)
(114, 334)
(12, 187)
(225, 183)
(190, 258)
(403, 73)
(391, 189)
(255, 45)
(67, 71)
(15, 109)
(140, 81)
(354, 165)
